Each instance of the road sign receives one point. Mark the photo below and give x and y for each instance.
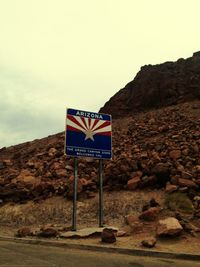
(88, 134)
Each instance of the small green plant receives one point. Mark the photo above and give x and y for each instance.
(179, 202)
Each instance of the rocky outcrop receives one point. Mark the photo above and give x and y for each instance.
(156, 86)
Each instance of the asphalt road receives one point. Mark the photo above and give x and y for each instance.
(26, 255)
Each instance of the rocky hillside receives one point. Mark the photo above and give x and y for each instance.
(156, 86)
(156, 149)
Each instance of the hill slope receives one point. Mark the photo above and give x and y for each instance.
(150, 150)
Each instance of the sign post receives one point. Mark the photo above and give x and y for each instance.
(75, 194)
(100, 193)
(88, 134)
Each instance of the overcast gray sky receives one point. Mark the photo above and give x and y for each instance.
(78, 53)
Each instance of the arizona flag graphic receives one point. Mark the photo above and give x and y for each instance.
(88, 134)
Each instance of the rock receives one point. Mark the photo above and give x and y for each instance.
(108, 236)
(121, 233)
(61, 173)
(196, 202)
(174, 179)
(69, 168)
(24, 231)
(144, 155)
(152, 121)
(162, 172)
(186, 175)
(30, 164)
(7, 162)
(198, 168)
(134, 223)
(26, 177)
(170, 188)
(150, 214)
(153, 203)
(2, 166)
(183, 189)
(189, 227)
(133, 183)
(169, 227)
(148, 181)
(48, 232)
(149, 243)
(52, 151)
(70, 188)
(175, 154)
(187, 183)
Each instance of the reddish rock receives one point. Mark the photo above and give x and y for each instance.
(189, 227)
(148, 181)
(149, 243)
(151, 203)
(198, 168)
(48, 232)
(108, 236)
(70, 186)
(186, 175)
(7, 162)
(133, 183)
(30, 164)
(175, 154)
(134, 223)
(170, 188)
(187, 183)
(61, 173)
(162, 172)
(150, 214)
(169, 227)
(24, 231)
(52, 151)
(121, 233)
(69, 168)
(197, 202)
(174, 179)
(26, 177)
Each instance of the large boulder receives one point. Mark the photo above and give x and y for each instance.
(169, 227)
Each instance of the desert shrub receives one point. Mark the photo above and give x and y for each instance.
(179, 202)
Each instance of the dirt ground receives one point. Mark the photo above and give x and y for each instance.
(57, 212)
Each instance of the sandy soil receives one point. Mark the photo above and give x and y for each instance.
(57, 211)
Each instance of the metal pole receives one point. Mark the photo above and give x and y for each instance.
(100, 193)
(75, 194)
